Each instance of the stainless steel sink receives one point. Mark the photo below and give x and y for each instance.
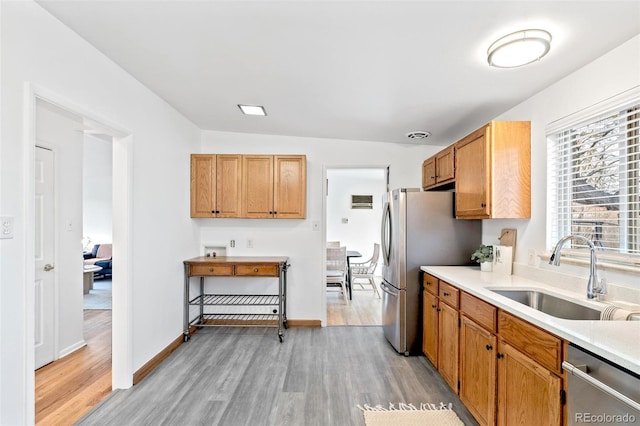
(551, 305)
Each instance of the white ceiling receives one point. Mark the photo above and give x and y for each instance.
(357, 70)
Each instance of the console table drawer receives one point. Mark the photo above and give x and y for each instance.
(211, 270)
(257, 270)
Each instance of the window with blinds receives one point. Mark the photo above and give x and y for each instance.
(593, 167)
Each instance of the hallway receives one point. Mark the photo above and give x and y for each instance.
(68, 388)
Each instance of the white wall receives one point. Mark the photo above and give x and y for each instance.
(97, 176)
(296, 238)
(611, 74)
(37, 48)
(362, 229)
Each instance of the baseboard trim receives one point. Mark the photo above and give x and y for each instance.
(156, 360)
(304, 323)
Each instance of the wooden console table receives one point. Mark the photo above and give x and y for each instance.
(274, 306)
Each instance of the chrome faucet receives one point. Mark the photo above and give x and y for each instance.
(594, 287)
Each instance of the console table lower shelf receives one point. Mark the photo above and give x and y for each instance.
(267, 310)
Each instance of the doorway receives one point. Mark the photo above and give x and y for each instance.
(120, 339)
(353, 217)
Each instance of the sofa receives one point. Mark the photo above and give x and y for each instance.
(100, 256)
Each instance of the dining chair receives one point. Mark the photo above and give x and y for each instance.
(333, 244)
(362, 272)
(337, 269)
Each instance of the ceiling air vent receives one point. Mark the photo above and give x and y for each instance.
(418, 134)
(362, 201)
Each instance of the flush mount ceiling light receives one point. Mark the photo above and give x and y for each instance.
(252, 109)
(519, 48)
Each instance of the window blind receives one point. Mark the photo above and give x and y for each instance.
(593, 170)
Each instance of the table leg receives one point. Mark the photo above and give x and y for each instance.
(349, 279)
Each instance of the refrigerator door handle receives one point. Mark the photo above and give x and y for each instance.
(387, 289)
(386, 237)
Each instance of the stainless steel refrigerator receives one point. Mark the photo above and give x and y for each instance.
(418, 229)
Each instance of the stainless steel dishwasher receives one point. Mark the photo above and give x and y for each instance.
(600, 392)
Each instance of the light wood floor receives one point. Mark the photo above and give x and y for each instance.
(244, 376)
(69, 387)
(363, 309)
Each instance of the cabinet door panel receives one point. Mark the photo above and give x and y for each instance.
(473, 175)
(430, 327)
(229, 185)
(257, 186)
(290, 187)
(448, 333)
(528, 394)
(203, 185)
(445, 167)
(478, 349)
(428, 173)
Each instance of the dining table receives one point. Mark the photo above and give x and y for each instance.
(350, 254)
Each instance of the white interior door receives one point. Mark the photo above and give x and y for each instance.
(44, 257)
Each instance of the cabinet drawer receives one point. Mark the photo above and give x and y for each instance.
(211, 270)
(480, 311)
(541, 346)
(257, 270)
(430, 283)
(448, 294)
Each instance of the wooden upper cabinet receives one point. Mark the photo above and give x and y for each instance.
(439, 169)
(228, 185)
(203, 185)
(290, 187)
(248, 186)
(493, 172)
(257, 186)
(429, 172)
(215, 185)
(274, 186)
(445, 165)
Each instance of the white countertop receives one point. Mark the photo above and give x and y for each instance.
(617, 341)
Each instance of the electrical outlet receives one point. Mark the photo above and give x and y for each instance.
(249, 243)
(533, 257)
(6, 230)
(232, 243)
(315, 225)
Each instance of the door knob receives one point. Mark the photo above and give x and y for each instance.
(48, 267)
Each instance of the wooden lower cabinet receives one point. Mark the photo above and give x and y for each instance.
(478, 348)
(528, 394)
(505, 370)
(430, 327)
(448, 333)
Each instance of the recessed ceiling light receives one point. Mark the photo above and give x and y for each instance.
(252, 109)
(519, 48)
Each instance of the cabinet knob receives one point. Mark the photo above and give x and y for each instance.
(255, 269)
(500, 356)
(483, 205)
(438, 310)
(433, 306)
(489, 347)
(446, 294)
(210, 269)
